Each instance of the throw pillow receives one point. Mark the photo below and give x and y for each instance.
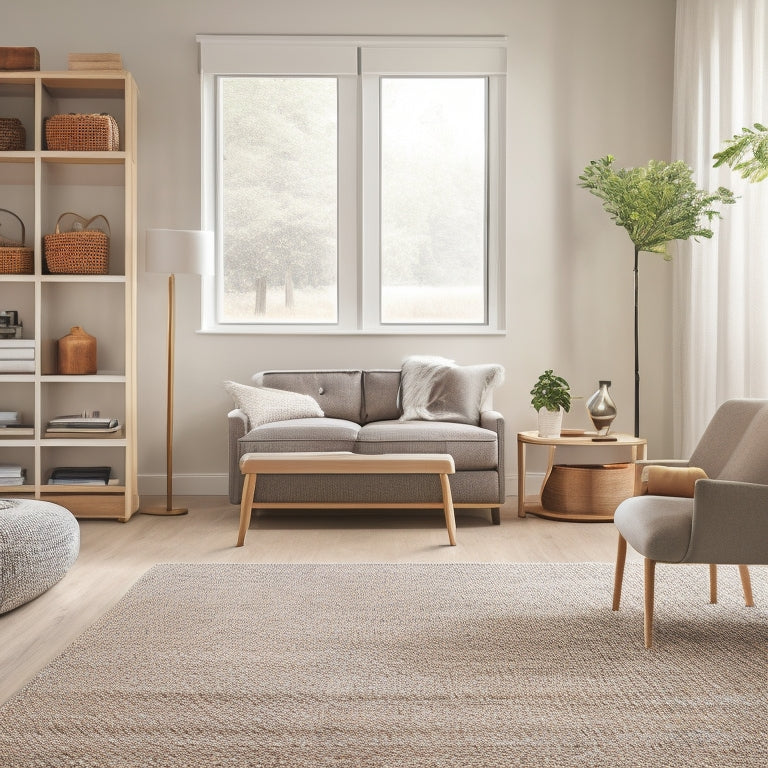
(436, 389)
(673, 481)
(262, 404)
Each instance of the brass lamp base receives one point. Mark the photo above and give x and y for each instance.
(164, 511)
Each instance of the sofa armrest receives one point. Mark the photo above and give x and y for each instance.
(730, 523)
(494, 421)
(238, 426)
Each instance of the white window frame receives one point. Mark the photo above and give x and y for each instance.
(358, 63)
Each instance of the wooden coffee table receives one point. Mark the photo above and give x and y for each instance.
(343, 463)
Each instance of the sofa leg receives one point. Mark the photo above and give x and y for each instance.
(495, 516)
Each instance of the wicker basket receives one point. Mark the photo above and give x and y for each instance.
(588, 489)
(79, 252)
(15, 259)
(82, 133)
(13, 136)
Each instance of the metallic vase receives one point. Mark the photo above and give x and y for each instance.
(602, 409)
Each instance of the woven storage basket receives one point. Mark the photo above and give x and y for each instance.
(13, 136)
(15, 259)
(81, 252)
(588, 489)
(82, 133)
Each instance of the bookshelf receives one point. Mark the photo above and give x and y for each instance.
(38, 185)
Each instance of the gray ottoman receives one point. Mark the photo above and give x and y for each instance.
(39, 542)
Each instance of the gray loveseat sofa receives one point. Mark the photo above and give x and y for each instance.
(362, 414)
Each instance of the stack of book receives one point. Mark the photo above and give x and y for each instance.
(11, 425)
(75, 424)
(17, 355)
(11, 474)
(80, 476)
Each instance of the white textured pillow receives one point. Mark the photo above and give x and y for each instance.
(262, 404)
(436, 389)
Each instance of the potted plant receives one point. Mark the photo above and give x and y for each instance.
(551, 397)
(655, 203)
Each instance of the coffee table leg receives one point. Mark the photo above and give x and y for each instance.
(246, 505)
(450, 519)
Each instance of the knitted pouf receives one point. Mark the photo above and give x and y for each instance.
(39, 542)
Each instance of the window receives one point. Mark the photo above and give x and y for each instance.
(354, 185)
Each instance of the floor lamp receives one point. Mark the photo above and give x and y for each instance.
(172, 252)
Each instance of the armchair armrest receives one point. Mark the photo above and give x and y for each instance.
(730, 523)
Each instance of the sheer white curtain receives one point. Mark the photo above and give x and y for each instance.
(720, 285)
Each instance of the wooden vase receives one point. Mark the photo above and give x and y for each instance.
(77, 352)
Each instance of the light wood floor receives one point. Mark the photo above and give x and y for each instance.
(113, 555)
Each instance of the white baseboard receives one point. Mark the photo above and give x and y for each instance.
(218, 485)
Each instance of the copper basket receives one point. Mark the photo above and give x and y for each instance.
(15, 259)
(13, 136)
(80, 252)
(82, 133)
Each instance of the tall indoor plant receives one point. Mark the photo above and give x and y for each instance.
(746, 152)
(656, 204)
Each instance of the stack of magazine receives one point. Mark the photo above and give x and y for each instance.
(11, 425)
(80, 476)
(17, 355)
(12, 474)
(75, 424)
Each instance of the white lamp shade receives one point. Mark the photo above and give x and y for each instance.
(180, 251)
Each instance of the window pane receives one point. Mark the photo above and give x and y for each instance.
(433, 200)
(279, 199)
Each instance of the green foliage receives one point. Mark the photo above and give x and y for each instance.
(656, 203)
(746, 152)
(551, 392)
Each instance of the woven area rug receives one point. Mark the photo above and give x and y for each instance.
(403, 666)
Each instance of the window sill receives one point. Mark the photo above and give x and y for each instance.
(411, 330)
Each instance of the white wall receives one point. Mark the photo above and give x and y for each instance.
(586, 79)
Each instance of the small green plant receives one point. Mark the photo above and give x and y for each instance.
(551, 392)
(746, 152)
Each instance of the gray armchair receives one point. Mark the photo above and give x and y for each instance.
(726, 521)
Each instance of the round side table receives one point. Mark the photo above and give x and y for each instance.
(637, 449)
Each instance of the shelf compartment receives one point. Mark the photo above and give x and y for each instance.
(17, 99)
(60, 399)
(98, 308)
(96, 96)
(24, 457)
(19, 295)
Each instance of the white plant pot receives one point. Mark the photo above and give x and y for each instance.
(550, 422)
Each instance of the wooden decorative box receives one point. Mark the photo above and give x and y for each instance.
(14, 59)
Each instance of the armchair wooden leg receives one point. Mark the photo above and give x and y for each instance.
(618, 576)
(650, 577)
(712, 583)
(746, 585)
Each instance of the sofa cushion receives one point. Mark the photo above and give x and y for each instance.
(472, 447)
(262, 404)
(338, 392)
(381, 393)
(313, 434)
(436, 389)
